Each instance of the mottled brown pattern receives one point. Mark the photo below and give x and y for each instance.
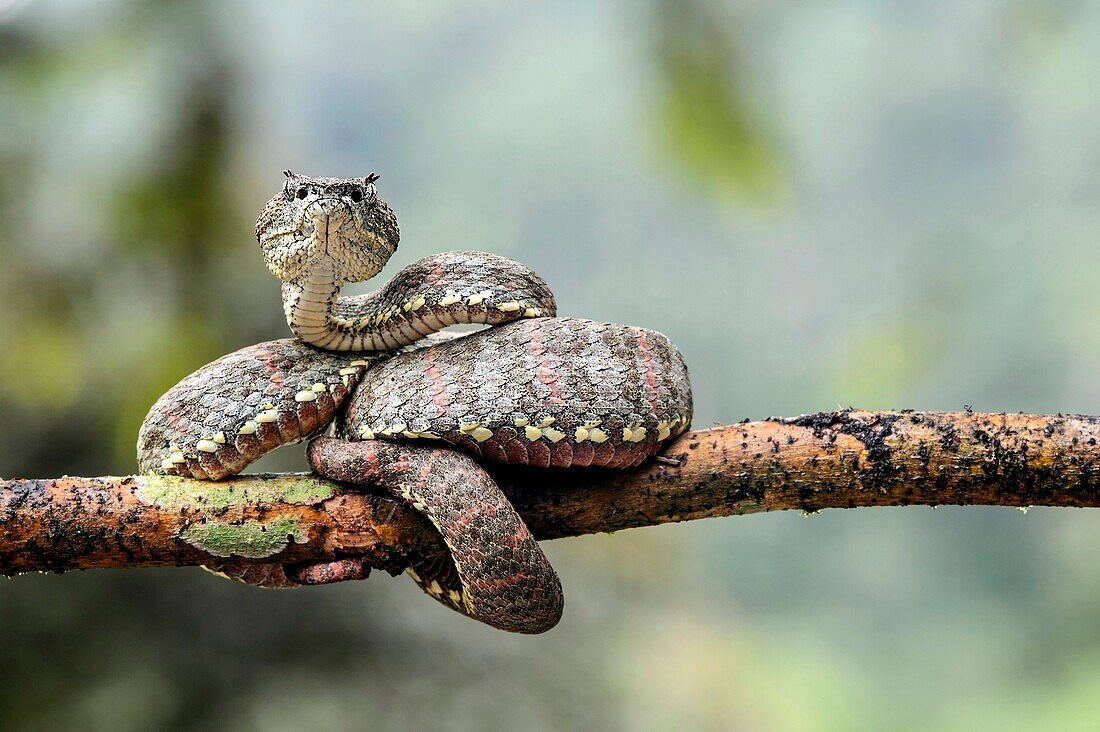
(565, 373)
(225, 395)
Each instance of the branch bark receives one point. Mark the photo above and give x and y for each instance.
(843, 459)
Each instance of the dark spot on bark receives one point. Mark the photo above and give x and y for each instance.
(924, 455)
(949, 438)
(818, 422)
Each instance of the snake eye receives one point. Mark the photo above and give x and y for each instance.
(356, 195)
(302, 193)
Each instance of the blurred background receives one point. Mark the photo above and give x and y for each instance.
(824, 203)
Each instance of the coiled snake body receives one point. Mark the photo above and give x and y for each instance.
(534, 390)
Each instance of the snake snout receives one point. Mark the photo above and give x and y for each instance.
(329, 206)
(328, 216)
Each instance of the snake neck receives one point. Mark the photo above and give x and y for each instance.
(318, 315)
(445, 289)
(308, 304)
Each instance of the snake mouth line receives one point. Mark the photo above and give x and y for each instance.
(327, 216)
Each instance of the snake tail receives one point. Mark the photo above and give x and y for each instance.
(270, 575)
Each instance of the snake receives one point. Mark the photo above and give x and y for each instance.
(392, 399)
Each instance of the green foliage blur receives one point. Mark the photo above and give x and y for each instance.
(825, 204)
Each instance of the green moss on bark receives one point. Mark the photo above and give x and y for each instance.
(171, 492)
(250, 539)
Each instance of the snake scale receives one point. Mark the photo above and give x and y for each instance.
(412, 408)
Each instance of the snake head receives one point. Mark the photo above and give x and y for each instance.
(336, 221)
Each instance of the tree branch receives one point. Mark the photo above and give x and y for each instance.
(843, 459)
